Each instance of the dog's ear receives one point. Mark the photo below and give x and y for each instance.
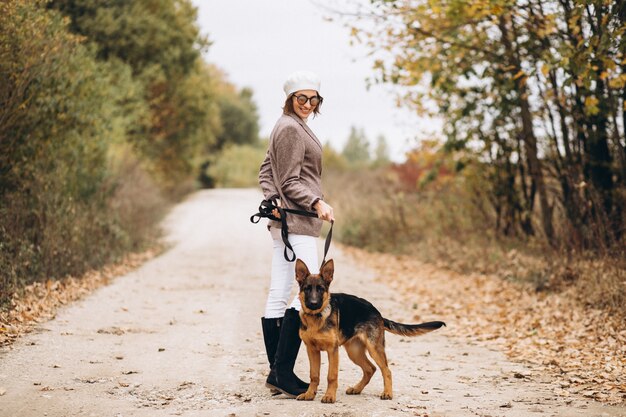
(301, 271)
(327, 270)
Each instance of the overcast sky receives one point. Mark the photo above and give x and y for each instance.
(259, 43)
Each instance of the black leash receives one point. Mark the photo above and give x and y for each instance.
(265, 210)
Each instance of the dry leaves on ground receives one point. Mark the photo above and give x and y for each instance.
(38, 302)
(583, 350)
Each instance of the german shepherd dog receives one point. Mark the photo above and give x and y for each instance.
(332, 320)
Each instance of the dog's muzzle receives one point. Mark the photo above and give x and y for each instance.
(313, 305)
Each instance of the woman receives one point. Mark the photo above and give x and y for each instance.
(291, 173)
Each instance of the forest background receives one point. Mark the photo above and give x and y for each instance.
(109, 115)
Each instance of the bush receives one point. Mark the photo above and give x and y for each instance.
(443, 219)
(237, 166)
(61, 115)
(102, 114)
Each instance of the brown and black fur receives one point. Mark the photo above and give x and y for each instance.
(333, 320)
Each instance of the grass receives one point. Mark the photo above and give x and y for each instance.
(443, 226)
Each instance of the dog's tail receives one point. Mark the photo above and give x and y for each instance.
(411, 329)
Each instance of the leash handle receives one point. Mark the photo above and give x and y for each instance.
(329, 237)
(266, 210)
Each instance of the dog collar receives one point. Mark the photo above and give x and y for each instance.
(325, 311)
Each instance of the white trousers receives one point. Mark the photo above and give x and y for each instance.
(283, 276)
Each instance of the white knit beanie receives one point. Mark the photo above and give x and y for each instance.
(301, 80)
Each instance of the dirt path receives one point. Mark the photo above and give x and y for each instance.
(181, 336)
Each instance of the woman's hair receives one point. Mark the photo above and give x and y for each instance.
(288, 107)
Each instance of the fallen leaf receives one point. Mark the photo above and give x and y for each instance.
(559, 339)
(129, 372)
(112, 330)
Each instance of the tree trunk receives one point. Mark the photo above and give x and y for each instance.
(528, 136)
(598, 161)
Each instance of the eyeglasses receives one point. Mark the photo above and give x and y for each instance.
(302, 99)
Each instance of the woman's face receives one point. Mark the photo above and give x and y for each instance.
(303, 110)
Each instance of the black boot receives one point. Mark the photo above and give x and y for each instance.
(271, 334)
(282, 377)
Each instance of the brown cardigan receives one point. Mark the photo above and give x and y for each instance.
(292, 171)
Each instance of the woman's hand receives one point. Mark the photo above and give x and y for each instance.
(324, 211)
(275, 212)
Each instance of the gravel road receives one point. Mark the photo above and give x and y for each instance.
(181, 336)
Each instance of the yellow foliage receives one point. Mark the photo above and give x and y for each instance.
(496, 9)
(591, 105)
(619, 82)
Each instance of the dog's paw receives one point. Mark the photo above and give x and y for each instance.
(386, 396)
(328, 399)
(305, 397)
(352, 391)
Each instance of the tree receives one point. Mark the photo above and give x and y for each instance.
(356, 150)
(161, 42)
(61, 112)
(533, 87)
(155, 37)
(333, 160)
(381, 152)
(238, 124)
(238, 112)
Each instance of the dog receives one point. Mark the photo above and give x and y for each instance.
(329, 321)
